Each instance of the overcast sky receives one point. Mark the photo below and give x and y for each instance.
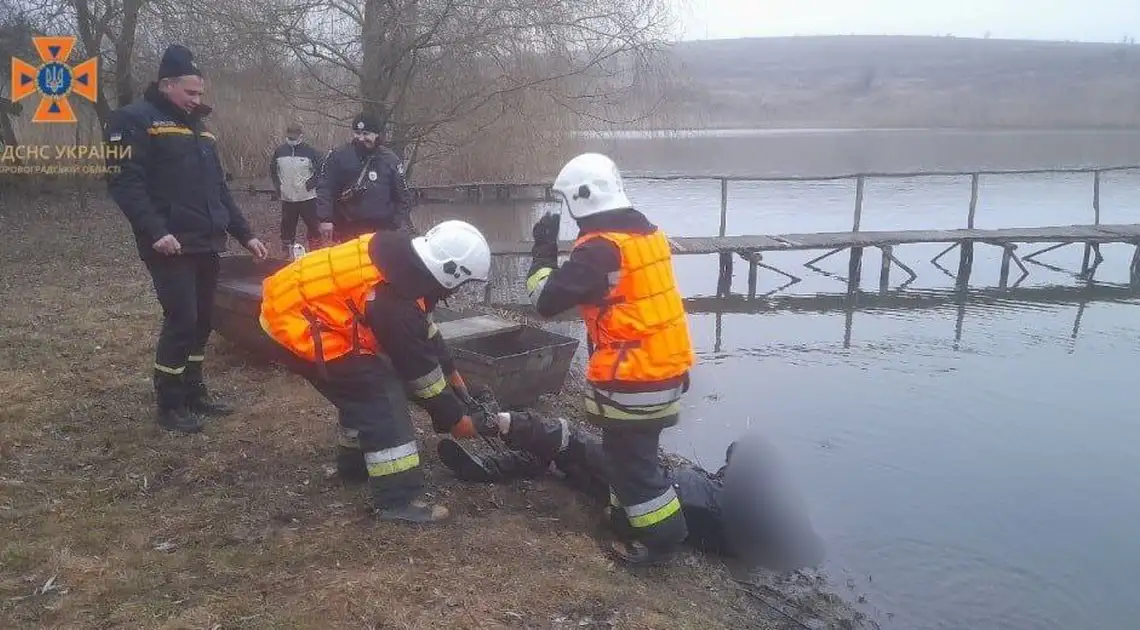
(1085, 20)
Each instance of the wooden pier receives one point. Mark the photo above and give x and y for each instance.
(473, 193)
(752, 248)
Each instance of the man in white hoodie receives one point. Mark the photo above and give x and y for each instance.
(294, 168)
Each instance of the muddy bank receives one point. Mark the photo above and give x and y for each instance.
(106, 521)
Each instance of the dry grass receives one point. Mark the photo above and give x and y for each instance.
(106, 521)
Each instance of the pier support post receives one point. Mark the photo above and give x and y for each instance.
(973, 201)
(885, 269)
(854, 269)
(1134, 274)
(753, 259)
(1006, 256)
(724, 280)
(965, 265)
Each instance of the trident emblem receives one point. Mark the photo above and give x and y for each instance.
(54, 79)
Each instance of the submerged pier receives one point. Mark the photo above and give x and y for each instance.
(752, 248)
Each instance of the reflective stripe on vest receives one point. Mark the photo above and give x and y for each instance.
(640, 332)
(315, 305)
(642, 399)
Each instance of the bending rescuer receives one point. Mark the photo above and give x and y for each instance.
(354, 320)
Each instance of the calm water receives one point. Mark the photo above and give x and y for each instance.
(970, 463)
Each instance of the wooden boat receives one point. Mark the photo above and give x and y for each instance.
(518, 362)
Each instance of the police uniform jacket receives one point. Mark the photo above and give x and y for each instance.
(382, 196)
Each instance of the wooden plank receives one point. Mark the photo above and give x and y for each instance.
(1129, 231)
(477, 327)
(683, 245)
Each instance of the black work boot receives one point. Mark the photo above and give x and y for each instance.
(172, 414)
(634, 553)
(198, 398)
(484, 396)
(350, 464)
(415, 511)
(501, 466)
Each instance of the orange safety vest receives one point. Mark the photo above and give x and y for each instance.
(314, 306)
(639, 333)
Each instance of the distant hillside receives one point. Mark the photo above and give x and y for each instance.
(858, 81)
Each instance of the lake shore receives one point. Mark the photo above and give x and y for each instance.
(108, 521)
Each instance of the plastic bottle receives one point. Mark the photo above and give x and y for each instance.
(298, 250)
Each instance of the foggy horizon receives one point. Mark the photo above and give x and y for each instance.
(1093, 21)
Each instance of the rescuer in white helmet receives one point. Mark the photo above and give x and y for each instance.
(355, 320)
(620, 277)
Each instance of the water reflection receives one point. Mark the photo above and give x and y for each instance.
(966, 436)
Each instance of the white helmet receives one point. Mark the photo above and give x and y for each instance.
(454, 252)
(591, 184)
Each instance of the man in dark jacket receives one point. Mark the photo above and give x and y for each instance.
(362, 187)
(294, 168)
(742, 511)
(167, 178)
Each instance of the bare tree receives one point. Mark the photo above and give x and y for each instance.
(444, 72)
(15, 41)
(469, 88)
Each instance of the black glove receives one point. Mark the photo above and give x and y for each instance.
(546, 230)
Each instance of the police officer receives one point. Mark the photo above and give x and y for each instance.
(362, 187)
(354, 319)
(167, 179)
(744, 510)
(620, 276)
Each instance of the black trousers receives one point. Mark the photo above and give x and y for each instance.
(306, 211)
(377, 437)
(185, 285)
(639, 486)
(624, 462)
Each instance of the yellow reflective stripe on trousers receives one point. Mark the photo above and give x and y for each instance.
(536, 283)
(392, 460)
(429, 385)
(640, 413)
(654, 510)
(169, 370)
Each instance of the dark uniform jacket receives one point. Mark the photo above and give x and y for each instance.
(584, 278)
(405, 333)
(172, 181)
(378, 190)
